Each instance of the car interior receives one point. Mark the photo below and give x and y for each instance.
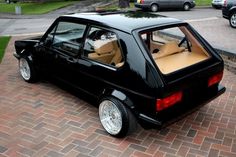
(103, 46)
(174, 49)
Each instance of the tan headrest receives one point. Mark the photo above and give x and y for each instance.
(103, 47)
(168, 49)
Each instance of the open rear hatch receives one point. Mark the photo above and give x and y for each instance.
(189, 67)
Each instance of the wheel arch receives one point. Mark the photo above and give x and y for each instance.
(121, 96)
(25, 53)
(187, 2)
(232, 9)
(154, 3)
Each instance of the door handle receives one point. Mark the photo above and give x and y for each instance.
(71, 60)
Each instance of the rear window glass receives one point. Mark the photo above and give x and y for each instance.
(173, 48)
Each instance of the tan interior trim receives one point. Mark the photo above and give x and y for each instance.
(178, 61)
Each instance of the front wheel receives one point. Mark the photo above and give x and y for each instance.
(186, 6)
(232, 20)
(115, 118)
(27, 70)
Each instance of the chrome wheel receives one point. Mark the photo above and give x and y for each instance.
(233, 20)
(24, 69)
(110, 117)
(186, 7)
(154, 8)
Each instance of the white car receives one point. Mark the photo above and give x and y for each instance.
(217, 3)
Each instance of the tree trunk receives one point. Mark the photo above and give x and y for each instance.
(124, 3)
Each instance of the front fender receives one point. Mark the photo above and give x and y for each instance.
(24, 47)
(232, 9)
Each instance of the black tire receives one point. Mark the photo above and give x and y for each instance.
(186, 7)
(27, 71)
(127, 119)
(154, 8)
(232, 20)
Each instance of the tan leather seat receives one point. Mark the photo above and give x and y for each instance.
(117, 57)
(168, 49)
(104, 51)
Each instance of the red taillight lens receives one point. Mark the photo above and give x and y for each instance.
(168, 101)
(215, 79)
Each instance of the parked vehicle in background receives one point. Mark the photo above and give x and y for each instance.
(229, 12)
(217, 3)
(155, 5)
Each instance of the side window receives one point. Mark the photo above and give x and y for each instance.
(68, 37)
(103, 46)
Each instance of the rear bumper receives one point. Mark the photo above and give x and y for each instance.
(193, 5)
(178, 111)
(216, 5)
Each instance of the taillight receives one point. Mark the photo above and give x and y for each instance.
(225, 3)
(215, 79)
(168, 101)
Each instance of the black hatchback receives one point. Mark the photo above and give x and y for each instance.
(140, 67)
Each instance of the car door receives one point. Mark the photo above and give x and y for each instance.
(61, 48)
(172, 4)
(163, 3)
(100, 61)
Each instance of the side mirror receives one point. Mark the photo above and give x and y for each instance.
(48, 42)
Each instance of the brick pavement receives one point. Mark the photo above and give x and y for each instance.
(43, 120)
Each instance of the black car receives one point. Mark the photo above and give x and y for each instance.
(229, 12)
(140, 67)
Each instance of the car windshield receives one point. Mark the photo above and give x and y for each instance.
(175, 45)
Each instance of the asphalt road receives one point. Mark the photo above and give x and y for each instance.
(207, 21)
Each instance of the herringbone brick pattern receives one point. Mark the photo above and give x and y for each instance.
(43, 120)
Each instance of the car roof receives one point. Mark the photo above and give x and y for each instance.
(126, 21)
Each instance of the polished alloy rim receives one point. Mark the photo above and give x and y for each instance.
(233, 20)
(186, 7)
(24, 69)
(110, 117)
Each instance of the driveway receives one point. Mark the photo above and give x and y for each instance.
(43, 120)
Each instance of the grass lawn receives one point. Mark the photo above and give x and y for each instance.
(34, 8)
(203, 2)
(3, 44)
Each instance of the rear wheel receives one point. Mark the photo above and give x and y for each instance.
(186, 6)
(115, 118)
(232, 20)
(154, 8)
(27, 70)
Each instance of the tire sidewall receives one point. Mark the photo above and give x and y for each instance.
(32, 77)
(124, 117)
(156, 6)
(186, 8)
